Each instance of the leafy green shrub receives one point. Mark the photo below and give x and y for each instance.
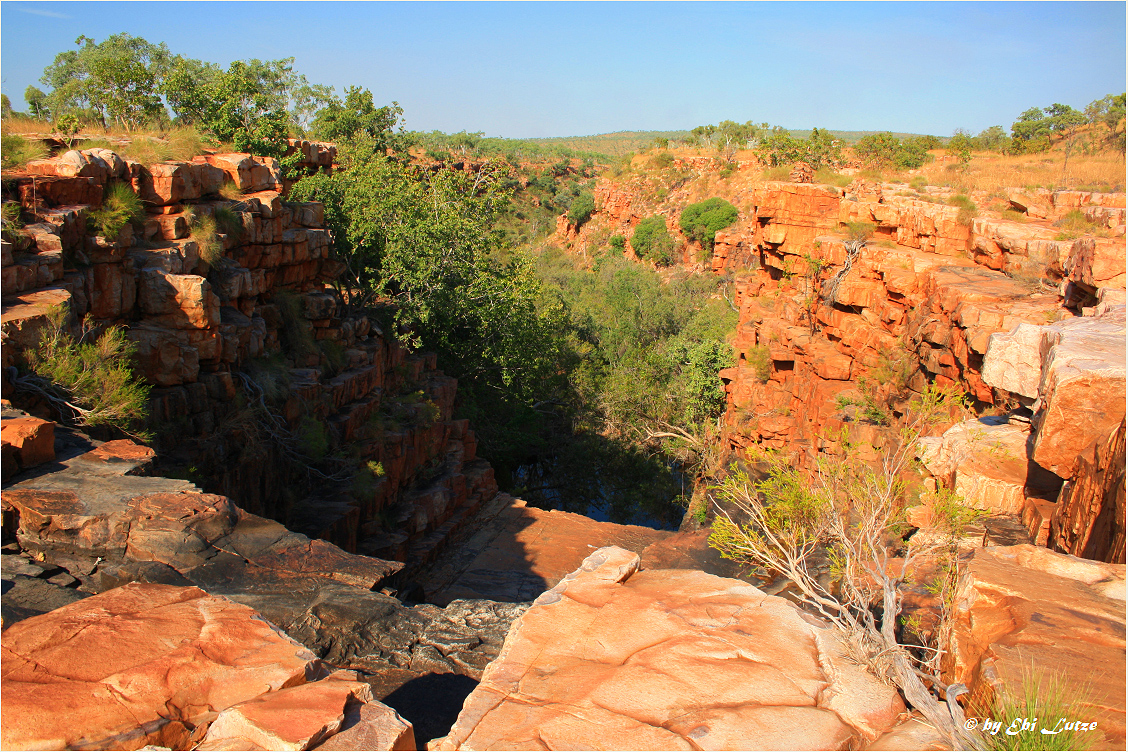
(918, 183)
(120, 206)
(702, 220)
(618, 243)
(582, 208)
(662, 160)
(651, 241)
(94, 378)
(17, 151)
(886, 150)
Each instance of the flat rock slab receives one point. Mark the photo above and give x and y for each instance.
(305, 716)
(1024, 608)
(141, 664)
(522, 551)
(615, 658)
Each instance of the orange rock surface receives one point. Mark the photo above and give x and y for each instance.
(615, 658)
(141, 664)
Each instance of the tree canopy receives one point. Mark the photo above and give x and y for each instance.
(701, 221)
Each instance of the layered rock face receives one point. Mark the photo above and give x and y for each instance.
(209, 337)
(833, 337)
(617, 658)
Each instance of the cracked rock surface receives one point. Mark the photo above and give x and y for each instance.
(617, 658)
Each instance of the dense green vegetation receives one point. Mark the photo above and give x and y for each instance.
(883, 150)
(652, 241)
(701, 221)
(586, 386)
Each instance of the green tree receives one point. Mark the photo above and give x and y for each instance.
(428, 245)
(5, 106)
(1108, 110)
(582, 208)
(884, 150)
(994, 138)
(820, 150)
(116, 79)
(1031, 131)
(701, 221)
(339, 120)
(960, 146)
(37, 103)
(246, 105)
(651, 241)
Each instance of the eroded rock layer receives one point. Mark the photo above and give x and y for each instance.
(257, 365)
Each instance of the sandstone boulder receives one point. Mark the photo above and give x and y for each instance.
(141, 664)
(614, 658)
(1025, 612)
(182, 301)
(984, 460)
(295, 718)
(1081, 395)
(31, 441)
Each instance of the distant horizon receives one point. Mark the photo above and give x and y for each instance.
(539, 70)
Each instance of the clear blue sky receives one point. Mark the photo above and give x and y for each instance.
(558, 69)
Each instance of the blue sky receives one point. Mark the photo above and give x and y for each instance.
(557, 69)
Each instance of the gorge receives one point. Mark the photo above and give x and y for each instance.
(308, 552)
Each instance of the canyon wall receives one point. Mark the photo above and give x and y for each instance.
(260, 371)
(1029, 324)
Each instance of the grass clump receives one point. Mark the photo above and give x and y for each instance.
(830, 177)
(313, 438)
(761, 361)
(205, 234)
(230, 221)
(967, 209)
(92, 377)
(335, 357)
(783, 172)
(17, 151)
(1051, 706)
(120, 206)
(230, 192)
(1075, 224)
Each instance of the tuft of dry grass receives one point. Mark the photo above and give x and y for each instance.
(783, 172)
(230, 192)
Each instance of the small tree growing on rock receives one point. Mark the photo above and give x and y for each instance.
(850, 512)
